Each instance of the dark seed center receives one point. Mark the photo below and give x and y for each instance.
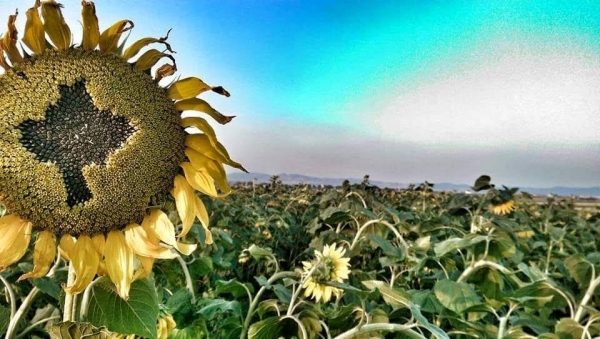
(75, 133)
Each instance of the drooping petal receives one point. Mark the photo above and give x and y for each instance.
(15, 234)
(119, 262)
(187, 88)
(109, 39)
(201, 143)
(200, 180)
(165, 230)
(55, 25)
(201, 162)
(144, 242)
(66, 246)
(44, 254)
(9, 41)
(85, 260)
(197, 104)
(203, 126)
(99, 242)
(230, 161)
(91, 29)
(34, 36)
(150, 58)
(144, 268)
(135, 48)
(184, 195)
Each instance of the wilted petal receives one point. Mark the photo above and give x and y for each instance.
(44, 254)
(109, 39)
(201, 162)
(119, 262)
(144, 242)
(165, 230)
(91, 30)
(15, 234)
(197, 104)
(200, 180)
(187, 88)
(34, 36)
(55, 25)
(184, 195)
(85, 260)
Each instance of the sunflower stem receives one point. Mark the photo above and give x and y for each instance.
(69, 297)
(14, 321)
(188, 278)
(297, 292)
(85, 300)
(11, 296)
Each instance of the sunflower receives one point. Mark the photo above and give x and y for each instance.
(502, 208)
(328, 266)
(91, 148)
(503, 201)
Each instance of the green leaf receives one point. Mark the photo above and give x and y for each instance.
(427, 301)
(393, 297)
(579, 269)
(568, 328)
(436, 331)
(181, 308)
(4, 319)
(48, 286)
(453, 244)
(234, 287)
(456, 296)
(201, 266)
(385, 245)
(265, 329)
(137, 315)
(211, 307)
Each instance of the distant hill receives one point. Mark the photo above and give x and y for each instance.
(293, 179)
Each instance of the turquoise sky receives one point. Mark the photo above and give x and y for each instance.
(406, 91)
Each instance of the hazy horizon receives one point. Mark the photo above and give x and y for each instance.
(405, 91)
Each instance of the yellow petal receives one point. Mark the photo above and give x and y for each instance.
(200, 180)
(144, 242)
(201, 212)
(203, 126)
(144, 268)
(200, 143)
(184, 195)
(15, 234)
(55, 25)
(165, 230)
(201, 162)
(66, 246)
(3, 63)
(150, 58)
(99, 244)
(91, 30)
(164, 71)
(9, 41)
(85, 260)
(109, 39)
(229, 162)
(119, 263)
(34, 36)
(135, 48)
(44, 254)
(187, 88)
(197, 104)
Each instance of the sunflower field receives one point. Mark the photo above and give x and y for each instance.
(354, 261)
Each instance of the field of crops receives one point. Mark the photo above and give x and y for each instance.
(422, 264)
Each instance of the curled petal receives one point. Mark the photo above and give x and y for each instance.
(187, 88)
(144, 267)
(203, 126)
(164, 71)
(150, 58)
(109, 39)
(144, 242)
(201, 162)
(218, 152)
(119, 263)
(91, 30)
(34, 36)
(165, 230)
(9, 41)
(66, 246)
(15, 235)
(200, 180)
(184, 195)
(135, 48)
(55, 25)
(85, 260)
(197, 104)
(44, 254)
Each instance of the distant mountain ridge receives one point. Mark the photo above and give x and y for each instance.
(293, 179)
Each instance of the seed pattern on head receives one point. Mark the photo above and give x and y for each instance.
(75, 133)
(139, 141)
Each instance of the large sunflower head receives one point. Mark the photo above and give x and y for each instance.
(328, 266)
(503, 201)
(89, 141)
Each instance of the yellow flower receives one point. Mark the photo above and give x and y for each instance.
(328, 266)
(89, 141)
(502, 208)
(165, 326)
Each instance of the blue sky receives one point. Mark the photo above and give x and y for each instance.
(406, 91)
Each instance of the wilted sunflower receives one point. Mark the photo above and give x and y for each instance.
(331, 266)
(90, 145)
(503, 201)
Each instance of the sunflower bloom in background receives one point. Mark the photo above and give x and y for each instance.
(328, 266)
(503, 202)
(89, 141)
